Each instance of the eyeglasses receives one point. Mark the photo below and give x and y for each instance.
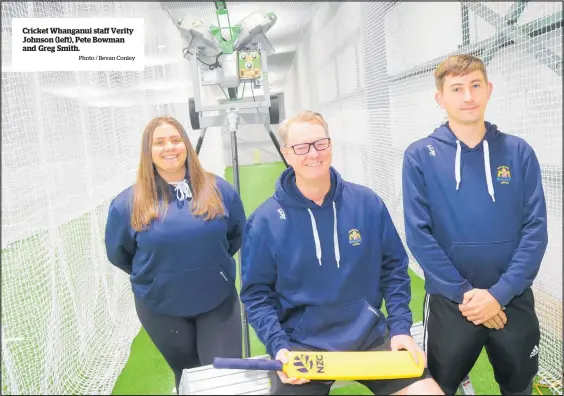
(303, 148)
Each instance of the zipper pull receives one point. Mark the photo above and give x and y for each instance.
(224, 277)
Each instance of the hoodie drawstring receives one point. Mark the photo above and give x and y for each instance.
(315, 236)
(486, 165)
(457, 164)
(488, 169)
(183, 190)
(335, 236)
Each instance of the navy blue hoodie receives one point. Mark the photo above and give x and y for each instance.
(181, 265)
(316, 275)
(474, 217)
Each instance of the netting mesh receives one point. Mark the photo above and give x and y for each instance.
(368, 68)
(70, 142)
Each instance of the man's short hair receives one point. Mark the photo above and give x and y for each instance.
(308, 116)
(458, 65)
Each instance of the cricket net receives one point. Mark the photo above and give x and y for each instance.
(70, 142)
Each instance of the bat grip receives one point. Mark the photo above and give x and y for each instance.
(247, 364)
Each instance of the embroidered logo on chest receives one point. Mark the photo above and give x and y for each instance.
(354, 237)
(503, 174)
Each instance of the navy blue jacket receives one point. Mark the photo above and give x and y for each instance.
(181, 265)
(316, 275)
(475, 217)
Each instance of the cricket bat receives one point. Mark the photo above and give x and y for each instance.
(376, 365)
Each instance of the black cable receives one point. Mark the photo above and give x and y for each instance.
(226, 96)
(214, 65)
(207, 64)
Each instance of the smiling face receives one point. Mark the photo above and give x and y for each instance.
(168, 150)
(465, 97)
(309, 161)
(463, 89)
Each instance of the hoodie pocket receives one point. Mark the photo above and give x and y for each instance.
(189, 293)
(482, 263)
(350, 327)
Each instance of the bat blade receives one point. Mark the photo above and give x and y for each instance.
(353, 365)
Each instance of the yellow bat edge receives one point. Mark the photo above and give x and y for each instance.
(375, 365)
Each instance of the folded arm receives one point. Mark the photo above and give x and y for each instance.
(120, 244)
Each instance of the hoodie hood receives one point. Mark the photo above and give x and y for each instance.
(288, 194)
(445, 135)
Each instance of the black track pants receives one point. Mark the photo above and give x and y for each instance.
(191, 342)
(453, 344)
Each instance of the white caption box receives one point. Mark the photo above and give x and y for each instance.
(77, 44)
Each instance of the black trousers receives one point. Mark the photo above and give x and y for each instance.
(192, 342)
(317, 387)
(453, 344)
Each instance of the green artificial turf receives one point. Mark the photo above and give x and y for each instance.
(146, 372)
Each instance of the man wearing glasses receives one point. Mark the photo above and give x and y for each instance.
(318, 259)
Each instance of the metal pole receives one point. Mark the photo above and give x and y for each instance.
(233, 118)
(275, 141)
(519, 36)
(532, 29)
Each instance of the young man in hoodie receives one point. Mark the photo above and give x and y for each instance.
(475, 219)
(319, 257)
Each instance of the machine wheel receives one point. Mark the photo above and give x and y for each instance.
(274, 110)
(194, 116)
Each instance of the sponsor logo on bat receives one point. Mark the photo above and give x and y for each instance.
(305, 364)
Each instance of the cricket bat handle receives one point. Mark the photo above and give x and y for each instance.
(247, 364)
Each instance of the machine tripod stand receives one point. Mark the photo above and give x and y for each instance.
(233, 117)
(230, 57)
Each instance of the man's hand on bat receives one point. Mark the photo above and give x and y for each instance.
(407, 343)
(282, 356)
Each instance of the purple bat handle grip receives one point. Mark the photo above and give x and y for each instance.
(247, 364)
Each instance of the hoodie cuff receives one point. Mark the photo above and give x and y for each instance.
(466, 287)
(502, 292)
(401, 328)
(276, 344)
